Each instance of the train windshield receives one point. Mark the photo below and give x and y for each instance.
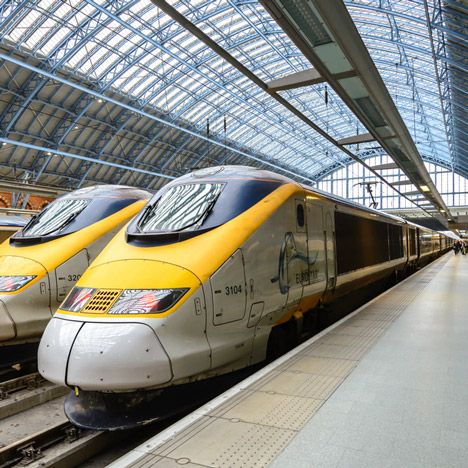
(67, 215)
(180, 211)
(54, 218)
(181, 207)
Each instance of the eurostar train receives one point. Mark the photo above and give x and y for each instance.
(208, 279)
(41, 263)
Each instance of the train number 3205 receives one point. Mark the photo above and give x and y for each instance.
(231, 290)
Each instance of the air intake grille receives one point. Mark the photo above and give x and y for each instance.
(102, 301)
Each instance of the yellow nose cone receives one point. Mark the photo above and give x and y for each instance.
(12, 265)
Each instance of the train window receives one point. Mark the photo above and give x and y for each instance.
(67, 215)
(54, 218)
(395, 240)
(300, 215)
(181, 207)
(360, 242)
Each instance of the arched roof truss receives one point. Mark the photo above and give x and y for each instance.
(149, 91)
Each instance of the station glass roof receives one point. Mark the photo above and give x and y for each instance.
(130, 49)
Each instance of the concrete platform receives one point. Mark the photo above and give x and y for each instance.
(385, 387)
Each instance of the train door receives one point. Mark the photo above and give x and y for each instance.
(318, 242)
(293, 259)
(418, 243)
(330, 250)
(229, 290)
(296, 258)
(229, 335)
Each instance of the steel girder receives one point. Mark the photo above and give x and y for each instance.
(131, 31)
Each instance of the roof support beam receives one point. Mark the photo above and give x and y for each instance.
(296, 80)
(384, 167)
(57, 152)
(33, 189)
(413, 192)
(355, 139)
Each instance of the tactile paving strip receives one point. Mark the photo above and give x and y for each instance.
(272, 409)
(299, 384)
(251, 428)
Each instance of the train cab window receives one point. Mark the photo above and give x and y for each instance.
(69, 214)
(180, 211)
(300, 215)
(181, 207)
(55, 218)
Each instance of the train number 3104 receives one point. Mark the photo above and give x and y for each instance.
(231, 290)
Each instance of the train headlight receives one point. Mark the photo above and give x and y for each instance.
(77, 299)
(13, 283)
(146, 301)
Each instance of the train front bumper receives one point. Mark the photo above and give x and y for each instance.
(96, 356)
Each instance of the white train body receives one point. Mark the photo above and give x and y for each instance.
(263, 270)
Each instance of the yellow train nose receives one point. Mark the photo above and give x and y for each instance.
(16, 265)
(138, 274)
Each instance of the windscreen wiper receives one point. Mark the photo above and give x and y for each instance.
(144, 215)
(202, 216)
(62, 226)
(34, 219)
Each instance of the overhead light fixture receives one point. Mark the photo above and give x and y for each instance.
(424, 188)
(309, 23)
(100, 100)
(372, 113)
(49, 153)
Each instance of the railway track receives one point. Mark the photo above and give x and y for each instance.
(35, 432)
(17, 361)
(62, 445)
(25, 392)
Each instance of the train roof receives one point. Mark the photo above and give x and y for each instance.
(108, 191)
(13, 221)
(234, 172)
(450, 234)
